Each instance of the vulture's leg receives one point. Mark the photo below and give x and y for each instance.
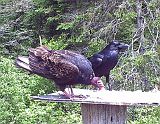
(71, 90)
(68, 92)
(75, 96)
(108, 82)
(63, 89)
(68, 95)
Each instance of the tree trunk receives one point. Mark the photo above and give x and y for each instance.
(140, 24)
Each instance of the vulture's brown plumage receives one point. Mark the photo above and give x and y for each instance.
(62, 66)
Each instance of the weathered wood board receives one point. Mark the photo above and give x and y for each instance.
(106, 97)
(103, 114)
(105, 107)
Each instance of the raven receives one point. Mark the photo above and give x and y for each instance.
(106, 60)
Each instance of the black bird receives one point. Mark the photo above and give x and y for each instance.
(62, 66)
(106, 60)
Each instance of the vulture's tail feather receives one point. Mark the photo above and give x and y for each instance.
(23, 62)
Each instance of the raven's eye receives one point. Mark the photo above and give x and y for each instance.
(116, 43)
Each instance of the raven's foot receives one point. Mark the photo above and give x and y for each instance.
(109, 86)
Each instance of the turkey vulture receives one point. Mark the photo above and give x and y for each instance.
(106, 60)
(62, 66)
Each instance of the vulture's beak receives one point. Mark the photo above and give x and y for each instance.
(97, 82)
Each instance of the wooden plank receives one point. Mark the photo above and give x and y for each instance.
(137, 98)
(103, 114)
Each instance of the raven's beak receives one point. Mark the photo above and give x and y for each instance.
(123, 47)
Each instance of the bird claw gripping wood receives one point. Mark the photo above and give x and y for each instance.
(73, 96)
(80, 97)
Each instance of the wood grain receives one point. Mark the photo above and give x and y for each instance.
(103, 114)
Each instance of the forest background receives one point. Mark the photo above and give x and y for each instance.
(86, 26)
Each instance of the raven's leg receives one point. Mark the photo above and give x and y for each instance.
(109, 83)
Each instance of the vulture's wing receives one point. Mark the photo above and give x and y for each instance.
(61, 67)
(52, 64)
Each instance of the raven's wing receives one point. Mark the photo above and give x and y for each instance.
(96, 60)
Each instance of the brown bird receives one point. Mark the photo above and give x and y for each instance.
(62, 66)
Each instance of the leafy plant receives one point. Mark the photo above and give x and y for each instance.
(16, 105)
(56, 44)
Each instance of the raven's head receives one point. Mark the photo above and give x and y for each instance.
(115, 44)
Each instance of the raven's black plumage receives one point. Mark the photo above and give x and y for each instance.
(63, 66)
(106, 60)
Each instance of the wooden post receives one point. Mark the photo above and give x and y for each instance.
(108, 107)
(103, 114)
